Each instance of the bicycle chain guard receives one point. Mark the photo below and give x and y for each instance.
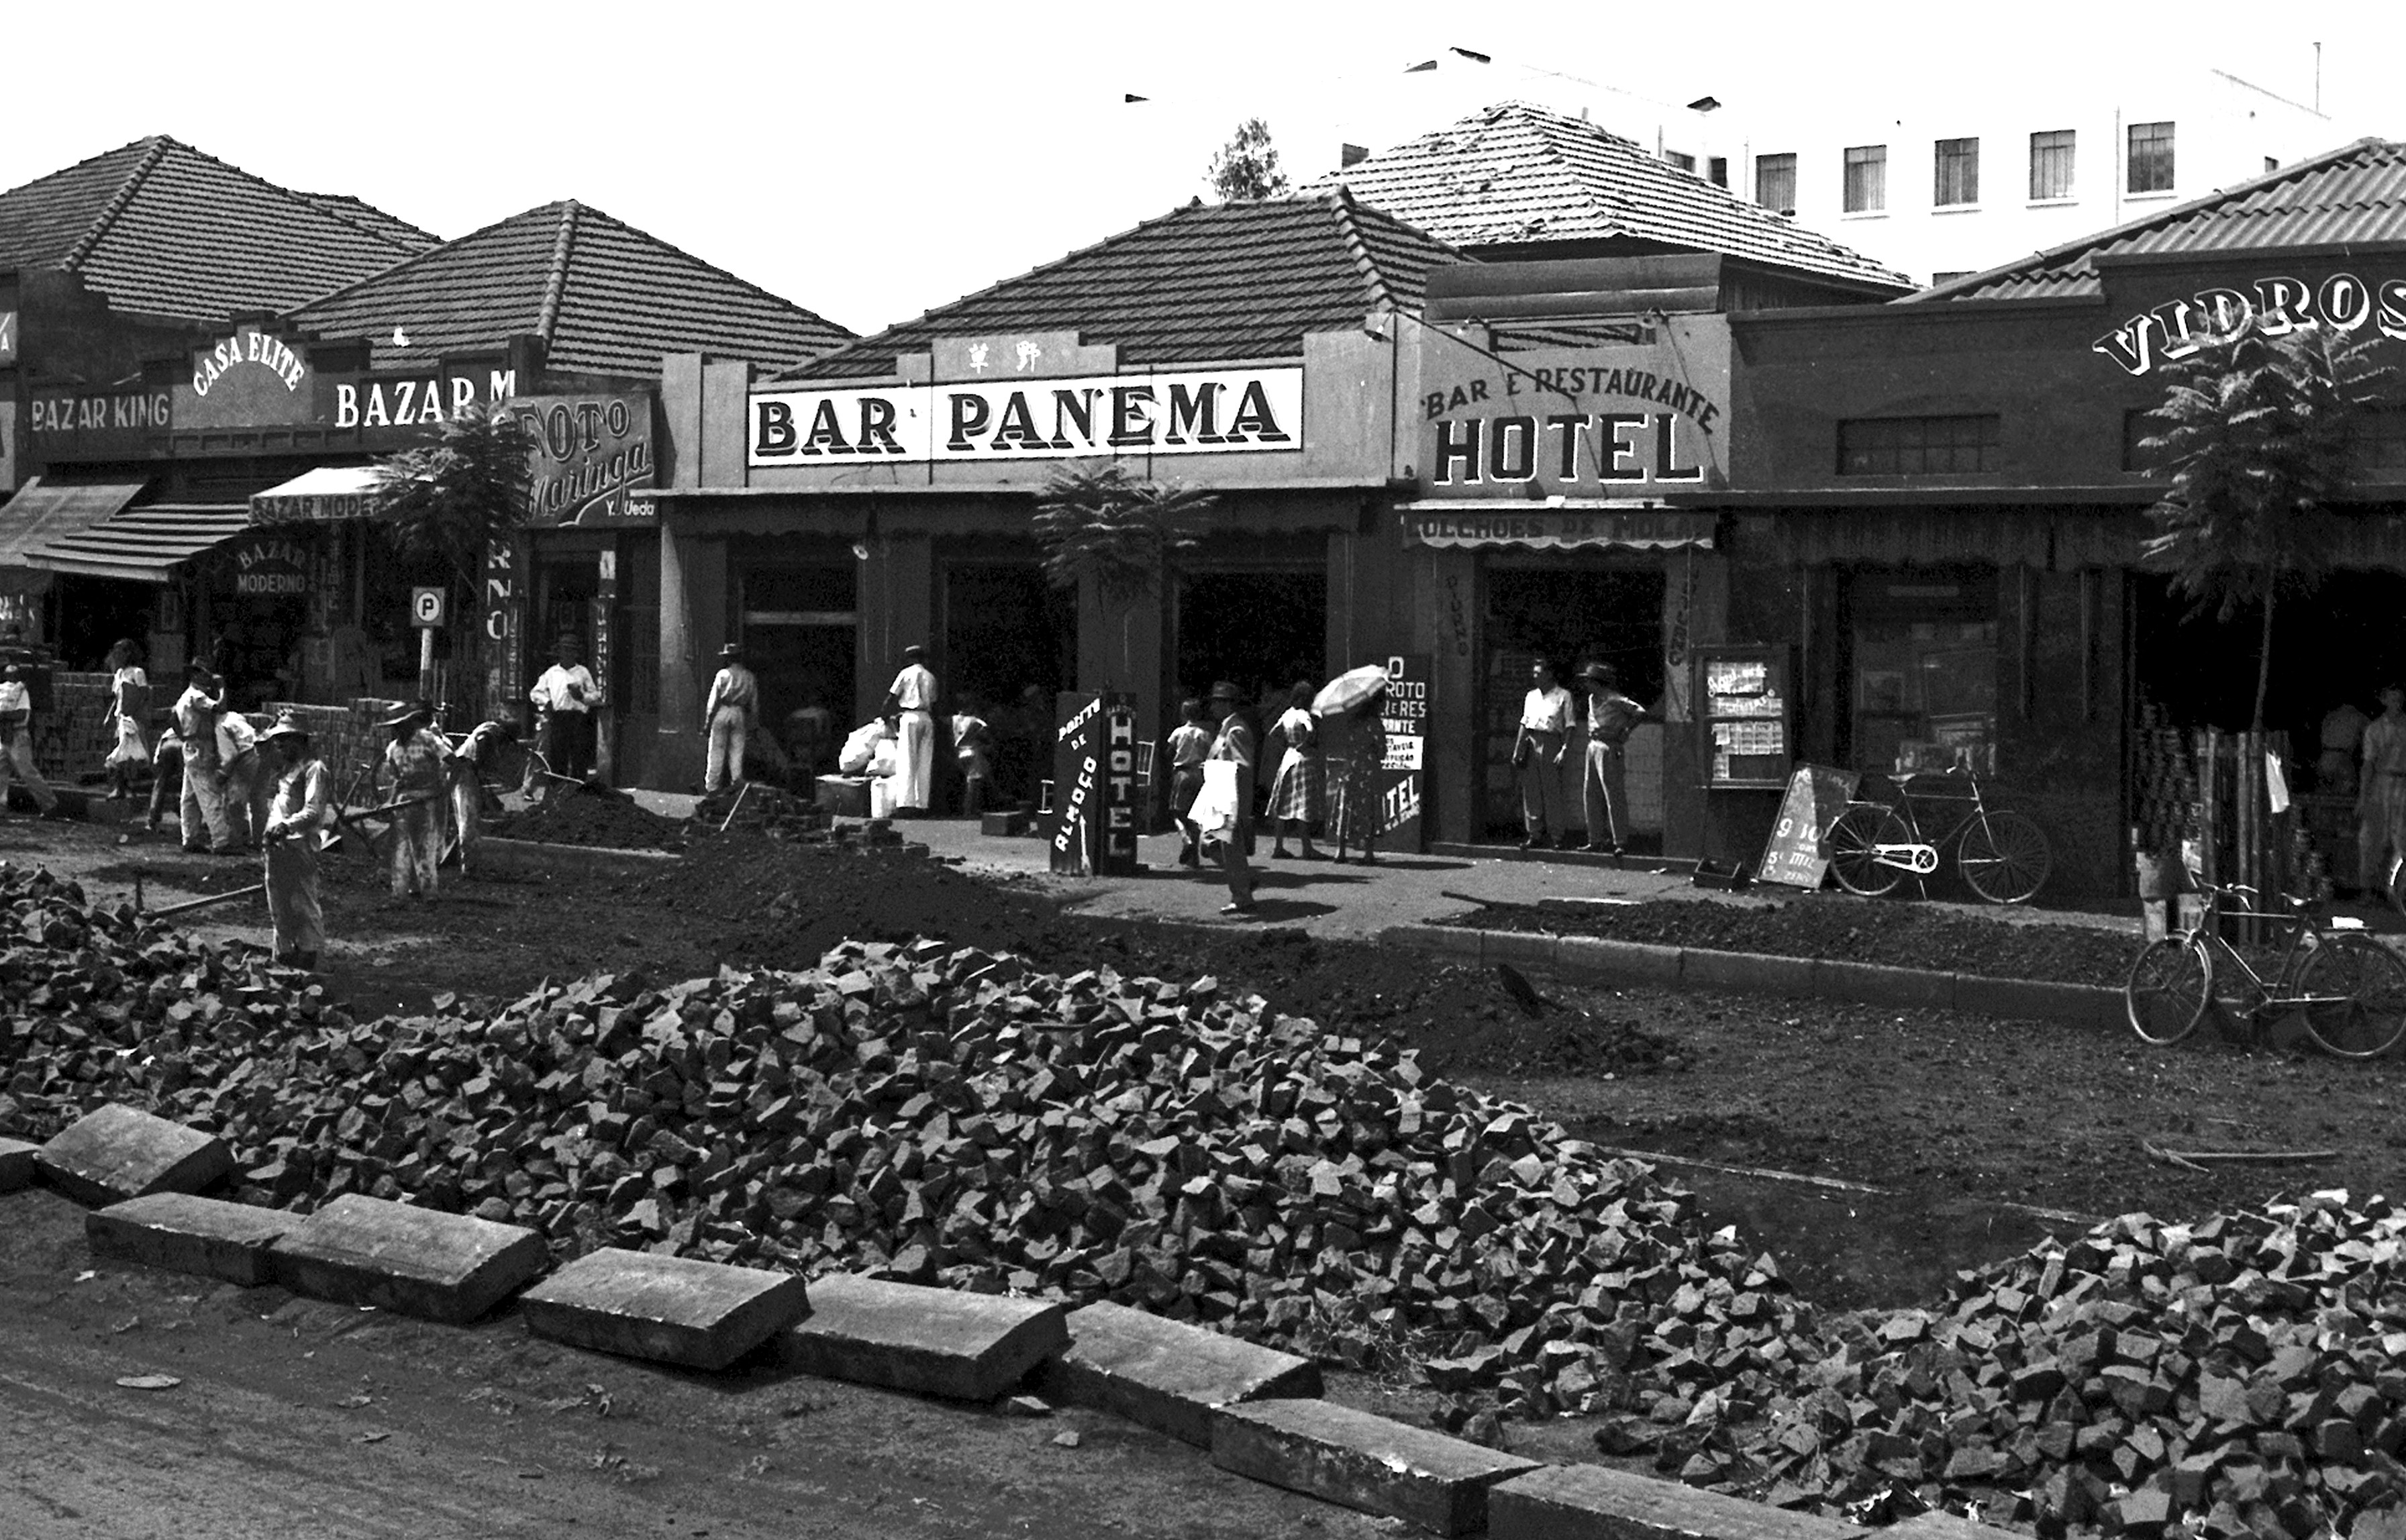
(1921, 860)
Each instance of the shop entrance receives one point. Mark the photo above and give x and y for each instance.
(1009, 645)
(1262, 631)
(799, 635)
(1573, 614)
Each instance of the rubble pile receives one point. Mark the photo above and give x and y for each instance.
(2242, 1375)
(951, 1117)
(764, 809)
(583, 817)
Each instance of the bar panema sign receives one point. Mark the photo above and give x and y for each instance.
(1212, 411)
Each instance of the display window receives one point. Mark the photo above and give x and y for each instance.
(1923, 674)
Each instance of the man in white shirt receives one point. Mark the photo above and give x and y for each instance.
(726, 718)
(239, 787)
(17, 742)
(202, 814)
(566, 695)
(1545, 727)
(911, 707)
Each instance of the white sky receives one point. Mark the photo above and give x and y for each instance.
(871, 162)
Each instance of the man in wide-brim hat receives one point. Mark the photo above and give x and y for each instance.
(1604, 786)
(201, 811)
(416, 763)
(727, 718)
(298, 810)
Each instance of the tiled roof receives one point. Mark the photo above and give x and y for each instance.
(607, 299)
(1206, 282)
(160, 229)
(2355, 194)
(1516, 174)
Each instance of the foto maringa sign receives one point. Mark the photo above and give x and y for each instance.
(1214, 411)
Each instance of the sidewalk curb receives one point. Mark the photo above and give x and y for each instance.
(1754, 973)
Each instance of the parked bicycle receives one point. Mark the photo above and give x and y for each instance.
(1877, 843)
(2350, 989)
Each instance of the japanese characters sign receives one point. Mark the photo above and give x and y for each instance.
(1201, 411)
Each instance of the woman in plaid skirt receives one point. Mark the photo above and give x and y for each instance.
(1297, 794)
(1355, 812)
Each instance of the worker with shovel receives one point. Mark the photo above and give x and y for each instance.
(416, 760)
(299, 811)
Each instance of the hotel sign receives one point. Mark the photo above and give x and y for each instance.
(1202, 412)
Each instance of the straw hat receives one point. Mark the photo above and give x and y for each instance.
(287, 725)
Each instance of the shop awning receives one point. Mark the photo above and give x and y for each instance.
(144, 545)
(327, 492)
(40, 513)
(1557, 524)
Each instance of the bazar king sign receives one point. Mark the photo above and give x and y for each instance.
(2277, 305)
(1209, 411)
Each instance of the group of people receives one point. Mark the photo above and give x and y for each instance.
(1548, 713)
(1215, 807)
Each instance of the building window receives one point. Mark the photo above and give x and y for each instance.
(2051, 165)
(1959, 173)
(1867, 178)
(1685, 163)
(1918, 446)
(1924, 656)
(2272, 163)
(2151, 158)
(1774, 182)
(1716, 170)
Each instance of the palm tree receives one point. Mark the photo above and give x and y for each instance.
(448, 499)
(1099, 521)
(2259, 441)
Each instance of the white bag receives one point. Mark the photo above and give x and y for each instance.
(861, 747)
(1215, 806)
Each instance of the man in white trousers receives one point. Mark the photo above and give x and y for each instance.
(910, 709)
(726, 718)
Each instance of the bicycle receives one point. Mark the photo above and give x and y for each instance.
(2350, 989)
(1873, 845)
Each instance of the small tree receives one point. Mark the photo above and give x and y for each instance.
(1096, 520)
(2258, 440)
(447, 498)
(1246, 169)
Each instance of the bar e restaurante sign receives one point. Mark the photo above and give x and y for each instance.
(1199, 412)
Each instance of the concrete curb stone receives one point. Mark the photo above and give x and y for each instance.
(1642, 962)
(1166, 1374)
(1874, 983)
(114, 1152)
(1598, 1503)
(15, 1165)
(208, 1238)
(906, 1336)
(681, 1310)
(1362, 1461)
(450, 1267)
(1747, 972)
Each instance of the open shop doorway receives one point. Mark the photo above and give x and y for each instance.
(1574, 614)
(1009, 645)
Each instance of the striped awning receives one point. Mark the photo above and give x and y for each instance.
(40, 514)
(143, 544)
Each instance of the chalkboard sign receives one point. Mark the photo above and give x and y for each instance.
(1816, 795)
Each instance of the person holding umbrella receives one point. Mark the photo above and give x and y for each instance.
(1351, 704)
(298, 812)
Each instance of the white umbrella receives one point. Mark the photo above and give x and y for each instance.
(1349, 689)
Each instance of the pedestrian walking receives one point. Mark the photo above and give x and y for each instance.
(201, 810)
(1360, 750)
(1604, 783)
(727, 718)
(414, 760)
(972, 750)
(1537, 753)
(17, 742)
(166, 771)
(299, 809)
(1299, 790)
(1189, 744)
(911, 710)
(241, 791)
(565, 695)
(2380, 797)
(129, 704)
(1234, 744)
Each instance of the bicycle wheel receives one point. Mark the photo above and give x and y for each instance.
(2004, 857)
(2169, 987)
(1851, 847)
(2355, 992)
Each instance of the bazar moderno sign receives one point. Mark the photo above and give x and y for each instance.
(1211, 411)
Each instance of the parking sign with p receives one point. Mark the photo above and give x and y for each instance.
(426, 607)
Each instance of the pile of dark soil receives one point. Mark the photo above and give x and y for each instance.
(592, 818)
(1843, 929)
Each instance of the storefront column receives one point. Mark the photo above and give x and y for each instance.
(897, 597)
(1368, 590)
(693, 627)
(1444, 598)
(1119, 649)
